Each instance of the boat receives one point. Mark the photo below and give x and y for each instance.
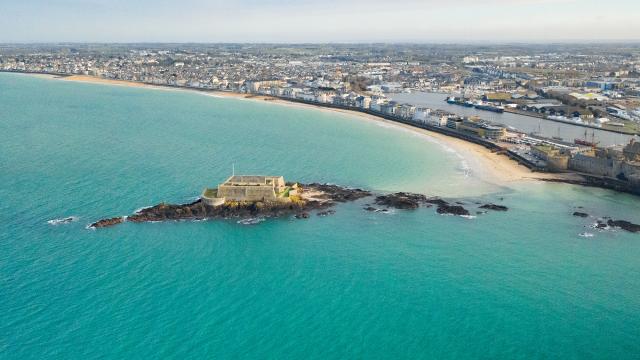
(583, 142)
(489, 107)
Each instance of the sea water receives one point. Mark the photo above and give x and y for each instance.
(527, 283)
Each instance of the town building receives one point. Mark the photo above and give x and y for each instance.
(482, 129)
(556, 159)
(622, 163)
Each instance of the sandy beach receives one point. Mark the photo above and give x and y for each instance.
(490, 167)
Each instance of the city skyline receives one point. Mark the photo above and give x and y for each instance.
(355, 21)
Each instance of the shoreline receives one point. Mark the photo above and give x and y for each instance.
(488, 166)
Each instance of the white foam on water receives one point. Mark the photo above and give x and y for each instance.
(250, 221)
(386, 211)
(138, 210)
(64, 220)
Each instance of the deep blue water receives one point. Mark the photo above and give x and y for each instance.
(411, 284)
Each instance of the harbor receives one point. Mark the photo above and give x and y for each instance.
(526, 124)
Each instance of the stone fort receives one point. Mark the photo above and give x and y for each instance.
(250, 188)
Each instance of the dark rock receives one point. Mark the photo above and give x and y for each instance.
(624, 225)
(370, 208)
(338, 193)
(452, 209)
(580, 214)
(401, 200)
(601, 225)
(303, 215)
(494, 207)
(107, 222)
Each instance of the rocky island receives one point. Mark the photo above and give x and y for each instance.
(254, 198)
(247, 197)
(243, 196)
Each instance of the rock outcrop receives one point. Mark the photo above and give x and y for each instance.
(446, 209)
(606, 224)
(409, 201)
(624, 225)
(107, 222)
(401, 200)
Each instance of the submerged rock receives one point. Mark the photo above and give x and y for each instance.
(494, 207)
(580, 214)
(436, 201)
(326, 213)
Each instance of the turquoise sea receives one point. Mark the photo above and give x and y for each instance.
(407, 285)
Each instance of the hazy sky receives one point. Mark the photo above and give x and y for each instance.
(318, 21)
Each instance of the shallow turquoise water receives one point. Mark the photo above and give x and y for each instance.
(520, 284)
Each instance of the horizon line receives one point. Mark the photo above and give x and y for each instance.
(400, 42)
